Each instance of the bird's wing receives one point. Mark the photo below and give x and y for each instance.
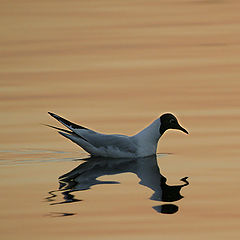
(95, 139)
(121, 142)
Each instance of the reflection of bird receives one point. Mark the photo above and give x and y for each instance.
(142, 144)
(85, 176)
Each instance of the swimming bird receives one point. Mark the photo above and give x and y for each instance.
(142, 144)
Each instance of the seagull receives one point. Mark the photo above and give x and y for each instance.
(143, 144)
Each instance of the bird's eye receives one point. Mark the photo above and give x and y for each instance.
(172, 121)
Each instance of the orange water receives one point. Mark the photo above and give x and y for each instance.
(115, 67)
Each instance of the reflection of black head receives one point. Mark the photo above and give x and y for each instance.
(168, 193)
(166, 208)
(171, 193)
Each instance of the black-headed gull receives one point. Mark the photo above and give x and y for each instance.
(142, 144)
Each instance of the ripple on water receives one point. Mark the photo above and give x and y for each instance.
(32, 156)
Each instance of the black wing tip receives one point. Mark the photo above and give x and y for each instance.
(66, 122)
(52, 114)
(55, 116)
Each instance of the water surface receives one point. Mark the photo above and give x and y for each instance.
(115, 67)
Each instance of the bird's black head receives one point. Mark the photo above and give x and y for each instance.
(168, 121)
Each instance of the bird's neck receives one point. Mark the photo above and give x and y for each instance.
(151, 133)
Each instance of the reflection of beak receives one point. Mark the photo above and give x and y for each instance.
(182, 129)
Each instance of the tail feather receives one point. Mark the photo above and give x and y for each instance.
(74, 134)
(80, 142)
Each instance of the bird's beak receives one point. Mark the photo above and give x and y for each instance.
(182, 129)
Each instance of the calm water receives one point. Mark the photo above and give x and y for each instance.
(115, 67)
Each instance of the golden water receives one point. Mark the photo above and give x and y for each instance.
(115, 67)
